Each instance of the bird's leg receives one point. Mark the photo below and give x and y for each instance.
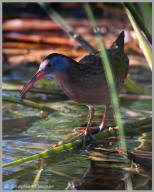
(101, 127)
(87, 130)
(91, 115)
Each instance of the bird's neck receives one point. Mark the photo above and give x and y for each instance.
(65, 82)
(60, 76)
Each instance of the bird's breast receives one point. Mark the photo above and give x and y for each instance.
(95, 94)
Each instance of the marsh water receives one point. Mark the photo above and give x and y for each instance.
(27, 131)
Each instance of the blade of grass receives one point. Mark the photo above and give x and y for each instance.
(112, 86)
(60, 21)
(132, 86)
(146, 49)
(138, 19)
(36, 180)
(27, 103)
(61, 174)
(146, 11)
(110, 77)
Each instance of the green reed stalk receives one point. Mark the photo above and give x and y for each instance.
(58, 19)
(36, 180)
(146, 12)
(144, 45)
(110, 78)
(138, 19)
(27, 103)
(112, 86)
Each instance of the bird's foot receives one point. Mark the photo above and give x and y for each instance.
(81, 128)
(85, 135)
(93, 130)
(100, 128)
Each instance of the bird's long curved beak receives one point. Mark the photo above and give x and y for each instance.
(30, 83)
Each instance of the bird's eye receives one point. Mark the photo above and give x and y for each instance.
(49, 65)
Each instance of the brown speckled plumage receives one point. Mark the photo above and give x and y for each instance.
(85, 81)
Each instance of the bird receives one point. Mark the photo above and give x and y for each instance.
(85, 81)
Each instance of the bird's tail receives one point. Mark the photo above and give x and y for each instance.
(119, 42)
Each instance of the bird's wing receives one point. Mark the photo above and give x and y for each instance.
(91, 67)
(87, 71)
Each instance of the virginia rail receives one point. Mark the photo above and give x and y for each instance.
(85, 81)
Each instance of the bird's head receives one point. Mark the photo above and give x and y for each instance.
(51, 64)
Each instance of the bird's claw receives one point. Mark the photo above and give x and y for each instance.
(82, 129)
(85, 135)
